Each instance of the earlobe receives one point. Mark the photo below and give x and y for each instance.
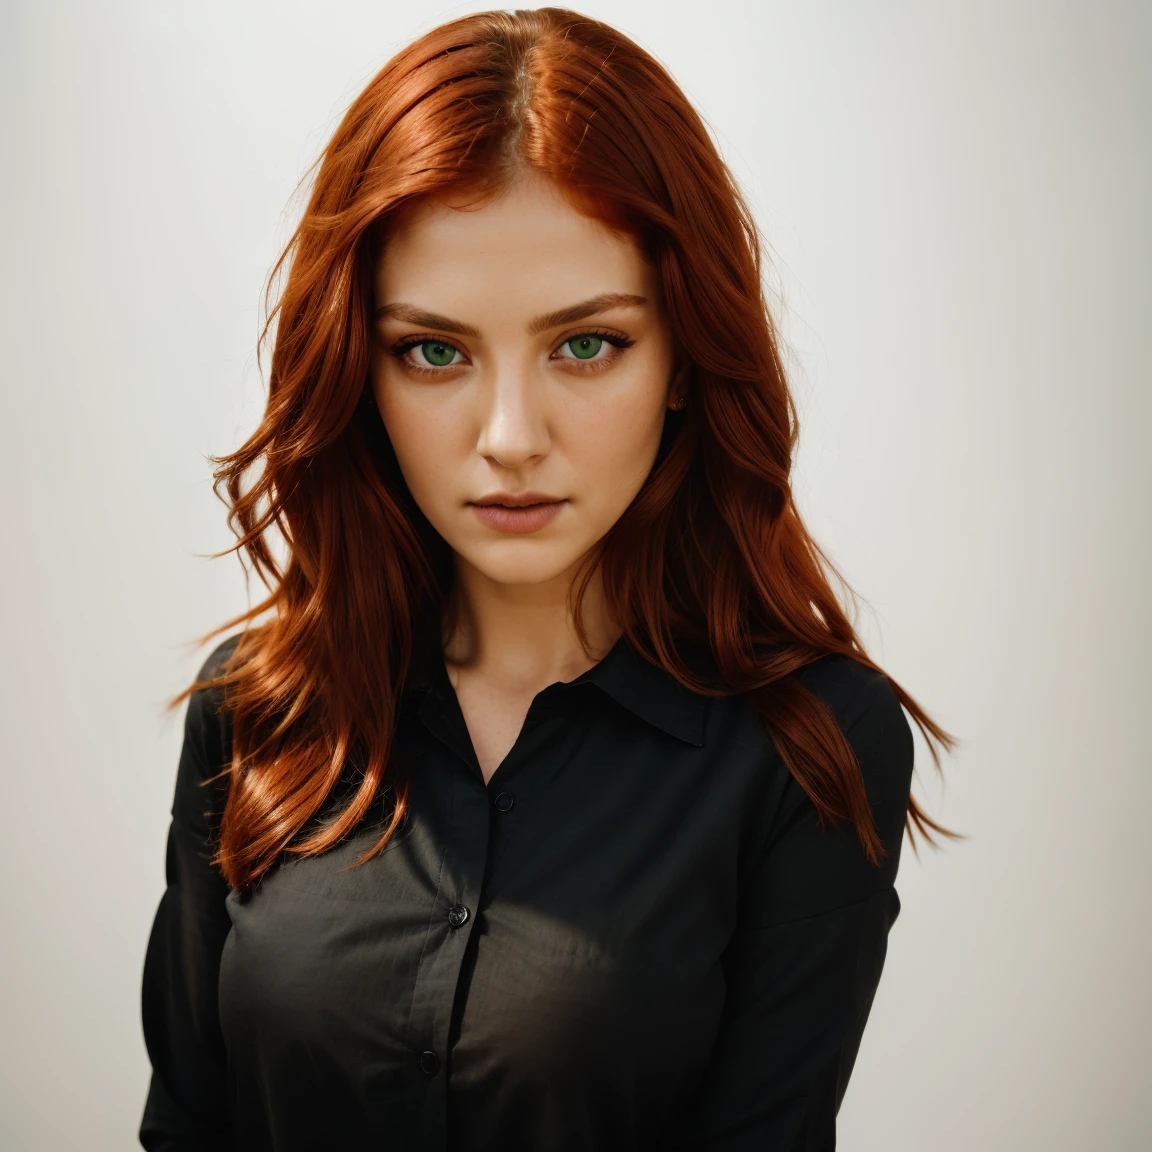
(676, 397)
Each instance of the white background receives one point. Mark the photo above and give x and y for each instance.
(957, 196)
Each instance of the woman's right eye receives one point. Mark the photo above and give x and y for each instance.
(428, 354)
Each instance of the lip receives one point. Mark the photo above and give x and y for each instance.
(517, 512)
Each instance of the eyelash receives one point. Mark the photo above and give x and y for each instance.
(401, 348)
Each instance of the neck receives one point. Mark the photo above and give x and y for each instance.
(523, 635)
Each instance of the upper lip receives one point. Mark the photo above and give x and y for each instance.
(518, 499)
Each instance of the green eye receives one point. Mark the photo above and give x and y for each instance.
(437, 353)
(586, 346)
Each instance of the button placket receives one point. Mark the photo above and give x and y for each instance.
(464, 834)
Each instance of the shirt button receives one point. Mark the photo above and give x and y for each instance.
(504, 801)
(429, 1062)
(457, 915)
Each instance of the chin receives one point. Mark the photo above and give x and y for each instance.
(523, 561)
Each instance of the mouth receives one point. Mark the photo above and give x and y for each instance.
(517, 513)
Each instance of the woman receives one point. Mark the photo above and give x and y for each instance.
(553, 804)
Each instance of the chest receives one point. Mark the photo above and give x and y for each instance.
(562, 925)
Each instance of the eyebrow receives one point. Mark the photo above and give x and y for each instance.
(410, 314)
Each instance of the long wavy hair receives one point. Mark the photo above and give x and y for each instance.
(711, 554)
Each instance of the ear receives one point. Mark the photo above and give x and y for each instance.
(678, 387)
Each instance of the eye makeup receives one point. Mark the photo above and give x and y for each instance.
(438, 346)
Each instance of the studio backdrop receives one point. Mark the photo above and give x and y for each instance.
(955, 199)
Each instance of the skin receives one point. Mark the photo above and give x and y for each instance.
(510, 406)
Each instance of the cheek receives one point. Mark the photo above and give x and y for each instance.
(425, 436)
(614, 444)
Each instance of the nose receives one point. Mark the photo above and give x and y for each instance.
(513, 425)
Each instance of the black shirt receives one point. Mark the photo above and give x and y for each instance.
(636, 936)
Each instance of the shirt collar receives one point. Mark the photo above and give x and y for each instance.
(650, 692)
(645, 689)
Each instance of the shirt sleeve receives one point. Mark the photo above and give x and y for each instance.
(187, 1103)
(804, 963)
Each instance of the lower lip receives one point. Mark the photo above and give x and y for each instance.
(530, 518)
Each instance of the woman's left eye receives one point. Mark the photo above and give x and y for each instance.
(584, 347)
(591, 346)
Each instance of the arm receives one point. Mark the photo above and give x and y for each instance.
(187, 1104)
(804, 963)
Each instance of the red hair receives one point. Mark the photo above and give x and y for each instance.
(712, 552)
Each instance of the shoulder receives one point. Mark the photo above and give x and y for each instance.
(206, 754)
(852, 691)
(863, 700)
(867, 709)
(207, 708)
(216, 661)
(208, 702)
(807, 864)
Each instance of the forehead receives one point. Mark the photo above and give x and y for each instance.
(526, 247)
